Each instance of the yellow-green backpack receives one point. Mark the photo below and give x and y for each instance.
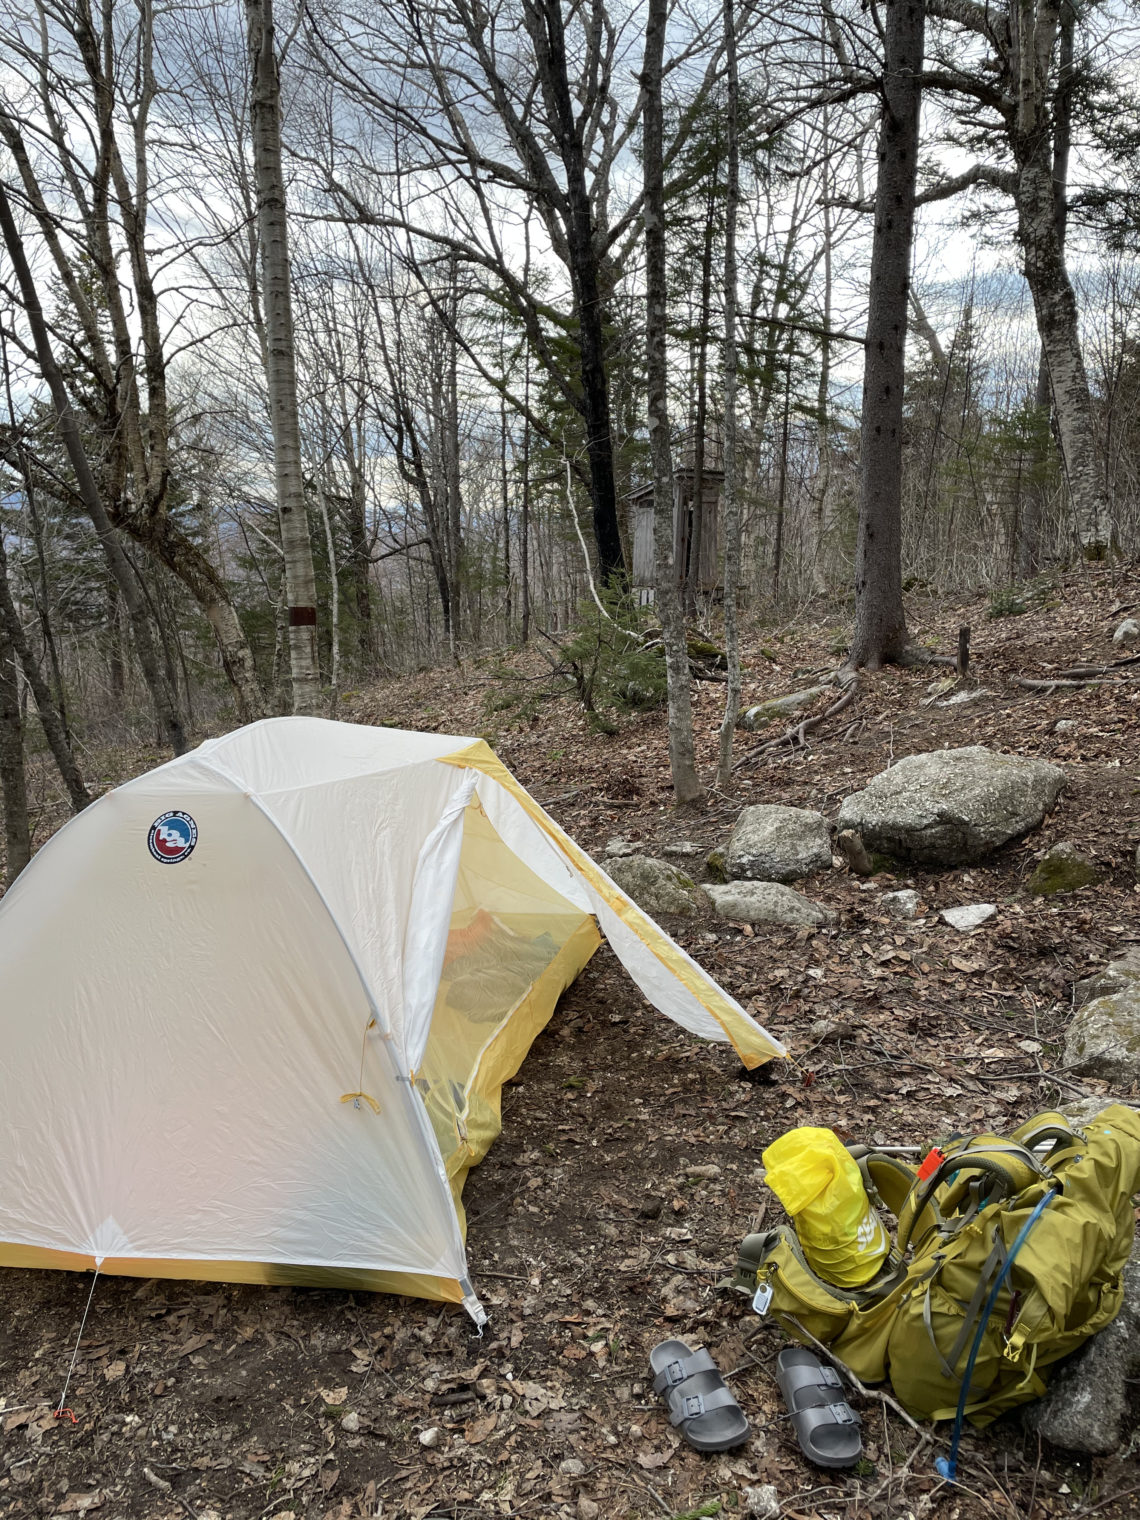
(918, 1320)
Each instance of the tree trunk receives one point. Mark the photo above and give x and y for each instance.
(51, 719)
(731, 503)
(13, 781)
(544, 22)
(165, 701)
(696, 538)
(1042, 145)
(880, 620)
(682, 759)
(524, 524)
(281, 374)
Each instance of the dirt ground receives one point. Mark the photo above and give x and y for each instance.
(626, 1172)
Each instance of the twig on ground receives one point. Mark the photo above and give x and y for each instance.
(860, 1387)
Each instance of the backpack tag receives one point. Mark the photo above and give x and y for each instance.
(762, 1298)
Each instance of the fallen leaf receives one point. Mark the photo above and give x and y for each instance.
(113, 1371)
(478, 1430)
(195, 1343)
(334, 1397)
(79, 1504)
(651, 1459)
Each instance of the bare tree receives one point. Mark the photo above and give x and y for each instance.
(13, 778)
(880, 619)
(1022, 95)
(682, 759)
(91, 204)
(165, 698)
(731, 500)
(281, 371)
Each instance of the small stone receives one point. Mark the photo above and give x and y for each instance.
(572, 1467)
(587, 1509)
(823, 1029)
(903, 904)
(766, 902)
(616, 848)
(431, 1437)
(684, 848)
(1061, 869)
(968, 916)
(1066, 726)
(1127, 633)
(351, 1422)
(706, 1173)
(762, 1501)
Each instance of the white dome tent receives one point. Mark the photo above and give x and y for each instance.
(257, 1007)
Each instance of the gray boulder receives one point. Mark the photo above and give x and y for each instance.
(1117, 976)
(1061, 869)
(1127, 633)
(773, 843)
(1103, 1039)
(655, 885)
(766, 902)
(952, 806)
(753, 718)
(1087, 1406)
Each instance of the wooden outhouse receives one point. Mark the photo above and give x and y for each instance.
(685, 512)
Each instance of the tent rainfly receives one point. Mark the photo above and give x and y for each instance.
(257, 1007)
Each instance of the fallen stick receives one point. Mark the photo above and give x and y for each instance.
(860, 1387)
(798, 731)
(1060, 683)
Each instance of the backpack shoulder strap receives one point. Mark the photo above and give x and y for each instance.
(984, 1170)
(1051, 1129)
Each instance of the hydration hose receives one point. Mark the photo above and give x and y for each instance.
(947, 1467)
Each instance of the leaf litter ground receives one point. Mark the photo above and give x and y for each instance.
(627, 1170)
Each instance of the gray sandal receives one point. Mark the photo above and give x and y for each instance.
(826, 1426)
(700, 1404)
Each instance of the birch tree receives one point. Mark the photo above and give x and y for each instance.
(1020, 93)
(281, 370)
(83, 85)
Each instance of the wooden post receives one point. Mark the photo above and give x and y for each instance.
(963, 651)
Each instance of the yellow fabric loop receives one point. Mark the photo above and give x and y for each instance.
(351, 1097)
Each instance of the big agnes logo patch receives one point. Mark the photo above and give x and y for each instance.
(172, 838)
